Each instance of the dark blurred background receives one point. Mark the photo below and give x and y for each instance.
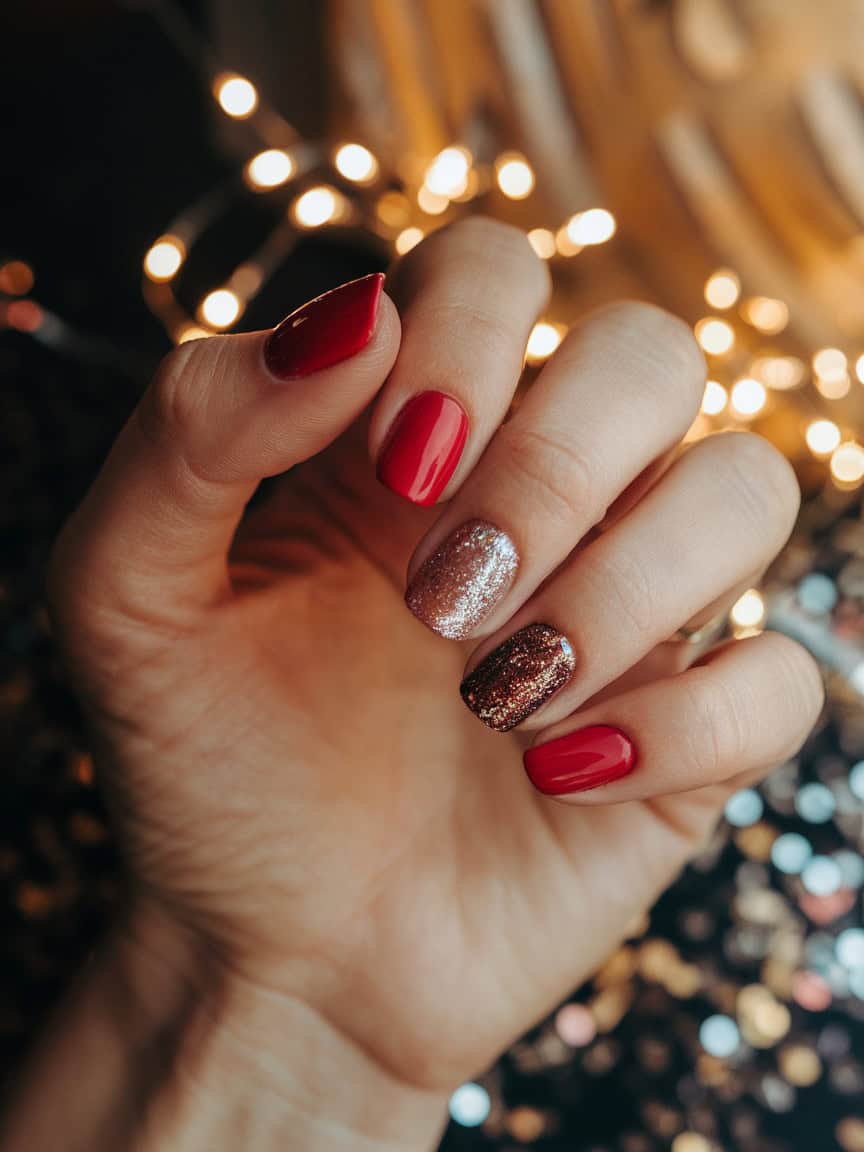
(107, 132)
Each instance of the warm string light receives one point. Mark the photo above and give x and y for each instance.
(748, 397)
(714, 399)
(543, 242)
(748, 611)
(447, 175)
(847, 464)
(236, 96)
(722, 289)
(716, 337)
(822, 437)
(356, 163)
(270, 169)
(514, 175)
(543, 341)
(163, 260)
(595, 226)
(317, 206)
(765, 314)
(220, 308)
(407, 239)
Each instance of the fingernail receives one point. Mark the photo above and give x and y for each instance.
(581, 760)
(518, 676)
(326, 330)
(424, 447)
(463, 579)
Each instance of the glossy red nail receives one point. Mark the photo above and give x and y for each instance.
(326, 330)
(424, 447)
(580, 760)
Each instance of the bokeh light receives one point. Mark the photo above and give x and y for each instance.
(270, 169)
(237, 96)
(356, 163)
(164, 258)
(514, 175)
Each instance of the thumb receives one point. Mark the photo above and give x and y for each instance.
(153, 533)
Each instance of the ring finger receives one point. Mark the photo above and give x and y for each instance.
(717, 516)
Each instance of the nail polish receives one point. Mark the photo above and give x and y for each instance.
(518, 676)
(424, 447)
(581, 760)
(463, 579)
(324, 331)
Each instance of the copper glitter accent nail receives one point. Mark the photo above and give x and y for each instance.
(518, 676)
(463, 580)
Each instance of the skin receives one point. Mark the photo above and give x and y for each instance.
(346, 896)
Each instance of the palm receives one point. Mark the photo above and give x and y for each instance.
(318, 797)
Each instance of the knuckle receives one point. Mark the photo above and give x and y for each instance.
(760, 481)
(716, 725)
(656, 347)
(799, 686)
(627, 589)
(553, 471)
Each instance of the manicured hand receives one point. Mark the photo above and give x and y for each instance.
(314, 822)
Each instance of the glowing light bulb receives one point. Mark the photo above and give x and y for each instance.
(163, 260)
(830, 364)
(722, 288)
(714, 399)
(270, 169)
(748, 396)
(447, 175)
(780, 373)
(237, 96)
(430, 202)
(822, 437)
(220, 308)
(564, 244)
(595, 226)
(16, 278)
(543, 242)
(317, 206)
(191, 332)
(748, 610)
(766, 314)
(543, 341)
(847, 463)
(407, 239)
(859, 368)
(514, 175)
(715, 336)
(356, 163)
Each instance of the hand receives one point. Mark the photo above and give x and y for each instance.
(298, 787)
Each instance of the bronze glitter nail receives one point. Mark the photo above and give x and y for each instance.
(518, 676)
(463, 579)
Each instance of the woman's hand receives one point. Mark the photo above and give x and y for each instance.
(322, 838)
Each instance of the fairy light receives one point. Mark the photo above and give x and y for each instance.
(766, 314)
(543, 341)
(431, 202)
(822, 437)
(859, 369)
(191, 332)
(564, 244)
(317, 206)
(748, 611)
(748, 396)
(847, 463)
(356, 163)
(447, 175)
(270, 169)
(164, 258)
(830, 363)
(779, 373)
(16, 278)
(595, 226)
(220, 308)
(543, 242)
(722, 288)
(715, 336)
(236, 96)
(714, 399)
(831, 373)
(514, 175)
(407, 239)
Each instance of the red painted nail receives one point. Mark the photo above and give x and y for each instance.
(580, 760)
(328, 329)
(424, 447)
